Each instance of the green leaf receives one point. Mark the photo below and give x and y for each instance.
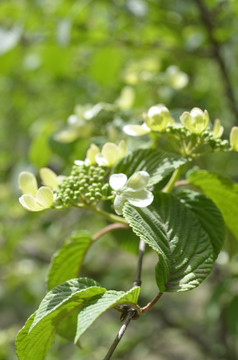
(126, 239)
(36, 337)
(159, 165)
(66, 263)
(223, 192)
(208, 215)
(174, 232)
(99, 304)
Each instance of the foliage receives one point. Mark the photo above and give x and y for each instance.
(76, 73)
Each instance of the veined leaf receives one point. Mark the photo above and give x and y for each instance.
(98, 305)
(66, 263)
(37, 336)
(159, 165)
(173, 231)
(223, 192)
(208, 215)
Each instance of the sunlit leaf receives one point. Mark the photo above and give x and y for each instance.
(173, 231)
(223, 192)
(158, 164)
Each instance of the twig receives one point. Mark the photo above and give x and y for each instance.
(120, 334)
(137, 281)
(131, 313)
(107, 229)
(206, 18)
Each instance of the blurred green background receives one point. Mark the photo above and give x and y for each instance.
(74, 72)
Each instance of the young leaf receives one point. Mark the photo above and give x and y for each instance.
(174, 232)
(67, 261)
(208, 215)
(159, 165)
(223, 192)
(98, 305)
(36, 337)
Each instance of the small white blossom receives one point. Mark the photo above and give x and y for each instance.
(156, 119)
(196, 121)
(34, 199)
(111, 154)
(132, 190)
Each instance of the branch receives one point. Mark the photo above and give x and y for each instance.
(137, 281)
(120, 334)
(131, 313)
(206, 18)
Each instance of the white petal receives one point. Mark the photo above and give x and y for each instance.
(117, 181)
(138, 181)
(111, 153)
(101, 161)
(45, 197)
(49, 178)
(91, 153)
(141, 198)
(119, 201)
(136, 130)
(122, 148)
(30, 203)
(79, 162)
(27, 183)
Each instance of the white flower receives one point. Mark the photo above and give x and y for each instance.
(196, 121)
(90, 156)
(136, 130)
(111, 154)
(50, 179)
(156, 119)
(131, 190)
(34, 199)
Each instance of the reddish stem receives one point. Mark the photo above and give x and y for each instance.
(150, 304)
(107, 229)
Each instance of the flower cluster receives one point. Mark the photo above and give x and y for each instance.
(193, 125)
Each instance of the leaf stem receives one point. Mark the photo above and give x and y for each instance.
(107, 229)
(169, 186)
(120, 334)
(151, 303)
(109, 216)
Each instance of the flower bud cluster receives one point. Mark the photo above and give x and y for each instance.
(85, 185)
(206, 137)
(215, 143)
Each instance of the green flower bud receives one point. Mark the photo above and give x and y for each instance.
(234, 138)
(196, 121)
(158, 117)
